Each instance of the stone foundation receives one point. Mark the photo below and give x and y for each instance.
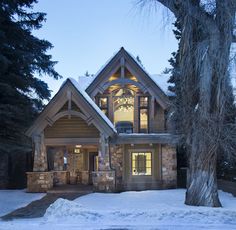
(104, 181)
(169, 167)
(60, 177)
(39, 181)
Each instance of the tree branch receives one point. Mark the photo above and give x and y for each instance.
(193, 10)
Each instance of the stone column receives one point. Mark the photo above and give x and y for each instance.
(103, 154)
(40, 180)
(40, 154)
(104, 178)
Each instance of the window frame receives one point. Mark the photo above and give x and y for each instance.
(147, 107)
(103, 107)
(151, 161)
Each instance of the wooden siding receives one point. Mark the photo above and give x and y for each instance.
(75, 127)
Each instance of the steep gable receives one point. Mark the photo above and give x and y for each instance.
(124, 60)
(70, 94)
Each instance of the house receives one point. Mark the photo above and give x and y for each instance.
(109, 130)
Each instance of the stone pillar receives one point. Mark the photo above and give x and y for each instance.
(40, 180)
(40, 154)
(169, 166)
(104, 178)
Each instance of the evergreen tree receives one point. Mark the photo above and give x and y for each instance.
(22, 56)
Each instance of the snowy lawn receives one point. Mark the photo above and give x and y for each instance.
(132, 210)
(11, 200)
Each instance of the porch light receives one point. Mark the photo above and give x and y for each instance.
(78, 146)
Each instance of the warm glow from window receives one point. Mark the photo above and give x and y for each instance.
(141, 163)
(124, 105)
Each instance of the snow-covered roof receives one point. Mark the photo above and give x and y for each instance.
(161, 80)
(91, 102)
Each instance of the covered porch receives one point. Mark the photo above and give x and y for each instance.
(71, 143)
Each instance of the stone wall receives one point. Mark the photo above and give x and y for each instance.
(169, 166)
(104, 181)
(60, 177)
(39, 181)
(117, 165)
(84, 177)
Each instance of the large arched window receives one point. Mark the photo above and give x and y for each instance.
(123, 107)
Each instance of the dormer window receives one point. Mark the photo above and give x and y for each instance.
(103, 104)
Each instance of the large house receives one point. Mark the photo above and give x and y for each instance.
(109, 130)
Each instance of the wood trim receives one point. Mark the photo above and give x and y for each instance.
(159, 138)
(70, 141)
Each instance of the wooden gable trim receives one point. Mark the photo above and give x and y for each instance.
(124, 59)
(68, 92)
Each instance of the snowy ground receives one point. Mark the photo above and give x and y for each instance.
(13, 199)
(132, 210)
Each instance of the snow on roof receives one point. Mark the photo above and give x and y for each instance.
(86, 81)
(161, 80)
(91, 102)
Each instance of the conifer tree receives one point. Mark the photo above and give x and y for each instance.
(22, 58)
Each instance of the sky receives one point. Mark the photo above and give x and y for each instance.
(86, 33)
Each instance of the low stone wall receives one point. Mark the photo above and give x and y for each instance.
(104, 181)
(169, 167)
(84, 175)
(60, 177)
(39, 181)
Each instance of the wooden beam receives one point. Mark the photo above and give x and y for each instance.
(71, 141)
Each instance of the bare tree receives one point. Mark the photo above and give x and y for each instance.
(204, 54)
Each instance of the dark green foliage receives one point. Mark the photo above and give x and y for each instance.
(22, 56)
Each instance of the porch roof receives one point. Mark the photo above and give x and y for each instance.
(146, 138)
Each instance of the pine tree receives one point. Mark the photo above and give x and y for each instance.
(22, 57)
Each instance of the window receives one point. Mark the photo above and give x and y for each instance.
(143, 114)
(103, 104)
(123, 107)
(141, 163)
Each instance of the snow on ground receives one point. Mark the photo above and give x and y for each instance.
(132, 210)
(14, 199)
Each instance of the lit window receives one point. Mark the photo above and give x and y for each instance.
(143, 114)
(103, 104)
(142, 163)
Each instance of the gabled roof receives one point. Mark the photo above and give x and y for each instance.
(92, 112)
(156, 83)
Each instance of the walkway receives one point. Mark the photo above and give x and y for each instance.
(38, 208)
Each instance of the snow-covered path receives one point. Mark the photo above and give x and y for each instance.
(132, 210)
(14, 199)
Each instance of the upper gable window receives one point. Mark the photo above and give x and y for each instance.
(123, 106)
(103, 104)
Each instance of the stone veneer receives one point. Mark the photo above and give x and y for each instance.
(169, 166)
(60, 177)
(117, 165)
(104, 181)
(39, 181)
(58, 163)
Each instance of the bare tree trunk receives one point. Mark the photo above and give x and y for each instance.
(204, 58)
